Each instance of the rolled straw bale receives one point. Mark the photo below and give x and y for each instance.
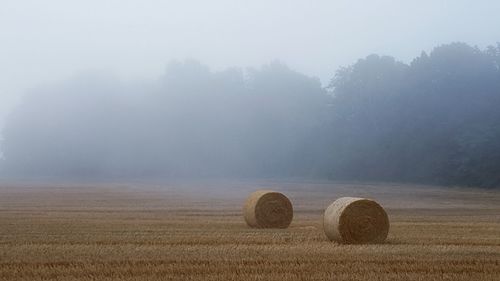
(268, 209)
(353, 220)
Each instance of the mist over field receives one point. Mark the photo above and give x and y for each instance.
(191, 122)
(249, 140)
(335, 90)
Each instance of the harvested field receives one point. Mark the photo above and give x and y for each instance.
(196, 231)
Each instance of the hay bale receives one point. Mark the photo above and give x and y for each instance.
(356, 221)
(268, 209)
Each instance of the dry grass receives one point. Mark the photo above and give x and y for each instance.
(111, 232)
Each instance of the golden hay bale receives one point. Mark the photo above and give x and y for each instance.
(356, 221)
(268, 209)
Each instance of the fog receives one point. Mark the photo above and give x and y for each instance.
(46, 41)
(240, 89)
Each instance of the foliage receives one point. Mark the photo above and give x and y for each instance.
(435, 120)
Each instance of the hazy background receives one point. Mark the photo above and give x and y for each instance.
(45, 41)
(344, 90)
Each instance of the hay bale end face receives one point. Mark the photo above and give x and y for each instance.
(353, 220)
(268, 209)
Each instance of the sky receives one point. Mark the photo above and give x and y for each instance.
(47, 41)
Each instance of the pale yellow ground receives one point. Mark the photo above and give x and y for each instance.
(195, 231)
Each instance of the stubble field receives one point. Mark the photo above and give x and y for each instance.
(195, 231)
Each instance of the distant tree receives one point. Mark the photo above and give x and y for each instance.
(435, 120)
(191, 122)
(366, 113)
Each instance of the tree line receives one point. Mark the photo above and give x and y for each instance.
(434, 120)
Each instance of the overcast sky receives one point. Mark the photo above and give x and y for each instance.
(50, 40)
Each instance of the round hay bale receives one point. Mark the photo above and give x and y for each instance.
(268, 209)
(353, 220)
